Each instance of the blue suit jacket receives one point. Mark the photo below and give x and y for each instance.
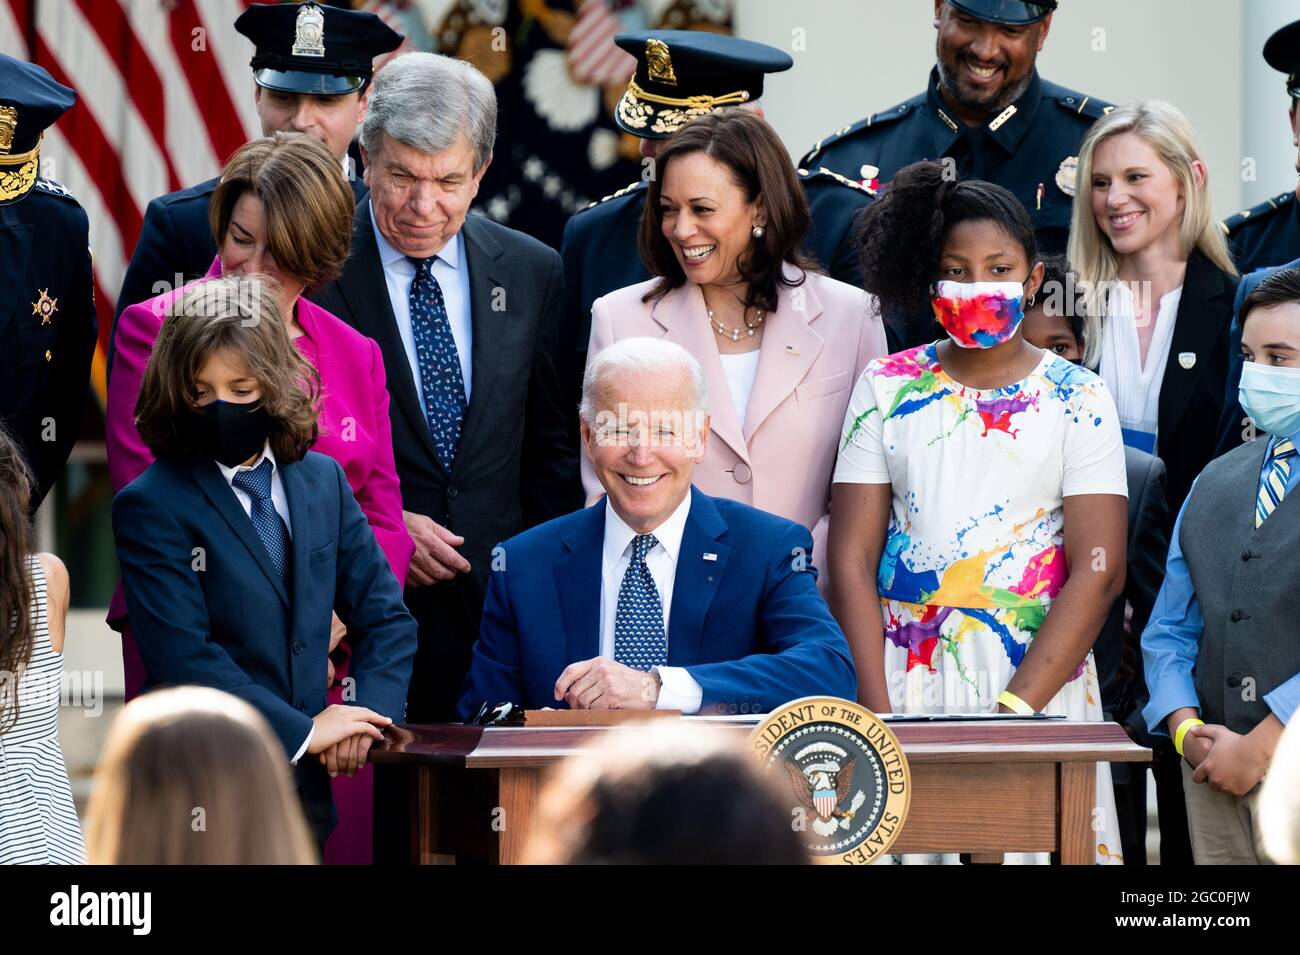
(1230, 424)
(222, 617)
(749, 626)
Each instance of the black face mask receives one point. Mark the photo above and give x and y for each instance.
(230, 433)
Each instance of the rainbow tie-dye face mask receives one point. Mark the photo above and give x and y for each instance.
(979, 314)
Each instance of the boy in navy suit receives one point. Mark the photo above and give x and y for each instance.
(238, 543)
(658, 596)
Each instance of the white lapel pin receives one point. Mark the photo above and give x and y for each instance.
(791, 349)
(1187, 359)
(710, 556)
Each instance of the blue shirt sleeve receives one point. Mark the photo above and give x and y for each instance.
(1285, 699)
(1172, 638)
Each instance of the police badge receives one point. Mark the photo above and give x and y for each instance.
(1067, 173)
(309, 32)
(849, 782)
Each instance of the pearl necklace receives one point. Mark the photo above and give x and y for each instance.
(734, 333)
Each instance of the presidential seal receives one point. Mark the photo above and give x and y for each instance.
(846, 776)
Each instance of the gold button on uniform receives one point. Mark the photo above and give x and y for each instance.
(48, 354)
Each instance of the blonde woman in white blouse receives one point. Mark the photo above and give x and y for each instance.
(1158, 284)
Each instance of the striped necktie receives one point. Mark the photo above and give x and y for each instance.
(1273, 489)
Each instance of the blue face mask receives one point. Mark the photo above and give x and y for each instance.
(1271, 396)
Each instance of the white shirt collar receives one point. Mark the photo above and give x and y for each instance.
(266, 455)
(449, 253)
(669, 534)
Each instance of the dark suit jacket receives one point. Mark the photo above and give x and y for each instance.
(1148, 546)
(1232, 423)
(175, 239)
(222, 617)
(1191, 399)
(232, 624)
(45, 355)
(513, 467)
(748, 625)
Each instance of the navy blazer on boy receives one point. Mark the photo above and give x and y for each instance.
(222, 616)
(746, 620)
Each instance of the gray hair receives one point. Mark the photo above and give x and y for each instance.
(642, 355)
(428, 101)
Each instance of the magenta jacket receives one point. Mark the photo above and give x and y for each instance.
(354, 425)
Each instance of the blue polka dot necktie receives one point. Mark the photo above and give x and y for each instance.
(639, 638)
(441, 380)
(256, 483)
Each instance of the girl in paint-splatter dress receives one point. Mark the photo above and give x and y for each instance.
(978, 516)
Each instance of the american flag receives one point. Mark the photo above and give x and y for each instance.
(164, 95)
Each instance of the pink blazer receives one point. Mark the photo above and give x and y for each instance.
(354, 425)
(814, 347)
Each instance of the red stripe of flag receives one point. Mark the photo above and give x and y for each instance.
(138, 75)
(225, 129)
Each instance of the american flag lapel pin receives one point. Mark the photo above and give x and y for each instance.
(708, 556)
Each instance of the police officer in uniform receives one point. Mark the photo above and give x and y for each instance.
(681, 74)
(311, 68)
(1269, 233)
(987, 109)
(47, 312)
(1266, 236)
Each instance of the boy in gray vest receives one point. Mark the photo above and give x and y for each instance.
(1221, 651)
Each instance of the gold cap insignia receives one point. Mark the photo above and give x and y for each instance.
(45, 306)
(8, 126)
(659, 63)
(1066, 174)
(309, 32)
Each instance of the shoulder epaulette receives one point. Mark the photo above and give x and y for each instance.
(823, 172)
(1263, 210)
(631, 187)
(54, 188)
(875, 119)
(1082, 105)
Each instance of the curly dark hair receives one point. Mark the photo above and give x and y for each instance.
(902, 233)
(759, 164)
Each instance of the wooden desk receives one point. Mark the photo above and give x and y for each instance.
(984, 788)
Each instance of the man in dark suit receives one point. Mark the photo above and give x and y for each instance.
(311, 68)
(659, 596)
(465, 312)
(47, 315)
(600, 242)
(986, 110)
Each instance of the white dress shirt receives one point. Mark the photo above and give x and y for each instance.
(281, 504)
(678, 690)
(451, 270)
(741, 370)
(1135, 386)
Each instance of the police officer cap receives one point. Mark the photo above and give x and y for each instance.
(30, 102)
(313, 47)
(1011, 12)
(682, 74)
(1282, 52)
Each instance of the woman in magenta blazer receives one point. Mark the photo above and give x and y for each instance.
(284, 210)
(781, 344)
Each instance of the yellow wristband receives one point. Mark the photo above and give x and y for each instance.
(1181, 733)
(1014, 703)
